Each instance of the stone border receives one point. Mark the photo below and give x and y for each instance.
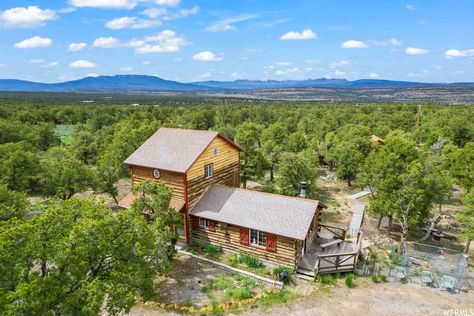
(275, 283)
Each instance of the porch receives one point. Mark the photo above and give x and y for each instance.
(329, 251)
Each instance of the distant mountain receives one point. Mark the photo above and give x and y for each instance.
(122, 83)
(111, 83)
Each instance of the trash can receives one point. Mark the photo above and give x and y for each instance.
(283, 276)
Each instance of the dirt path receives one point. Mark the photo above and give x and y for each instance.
(377, 299)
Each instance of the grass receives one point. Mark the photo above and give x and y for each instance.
(289, 272)
(212, 251)
(194, 250)
(349, 280)
(283, 297)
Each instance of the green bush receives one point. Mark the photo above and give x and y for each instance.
(375, 278)
(383, 278)
(289, 271)
(325, 279)
(250, 261)
(212, 250)
(349, 280)
(194, 250)
(234, 260)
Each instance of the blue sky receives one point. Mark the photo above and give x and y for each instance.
(51, 41)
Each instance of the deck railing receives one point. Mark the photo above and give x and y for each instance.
(339, 232)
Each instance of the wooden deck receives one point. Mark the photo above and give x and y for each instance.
(333, 259)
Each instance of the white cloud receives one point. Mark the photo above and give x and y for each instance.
(390, 42)
(305, 35)
(182, 13)
(166, 42)
(127, 22)
(82, 63)
(75, 47)
(34, 42)
(227, 24)
(170, 3)
(290, 71)
(339, 63)
(153, 13)
(146, 63)
(416, 51)
(29, 17)
(36, 61)
(207, 56)
(395, 42)
(107, 42)
(50, 65)
(126, 69)
(452, 53)
(92, 74)
(104, 4)
(410, 7)
(421, 74)
(238, 75)
(312, 61)
(335, 74)
(283, 63)
(354, 44)
(373, 75)
(205, 75)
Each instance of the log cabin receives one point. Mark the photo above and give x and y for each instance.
(202, 168)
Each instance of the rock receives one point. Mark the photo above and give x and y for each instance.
(415, 262)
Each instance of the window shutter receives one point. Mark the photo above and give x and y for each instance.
(195, 221)
(271, 242)
(244, 236)
(212, 226)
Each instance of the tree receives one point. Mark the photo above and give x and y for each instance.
(296, 142)
(154, 203)
(12, 204)
(439, 180)
(63, 175)
(466, 217)
(294, 169)
(252, 162)
(85, 146)
(108, 173)
(348, 160)
(462, 164)
(19, 166)
(89, 260)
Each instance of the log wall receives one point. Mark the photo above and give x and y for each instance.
(174, 180)
(228, 237)
(225, 166)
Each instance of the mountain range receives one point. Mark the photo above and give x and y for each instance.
(127, 83)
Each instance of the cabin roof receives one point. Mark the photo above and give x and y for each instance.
(173, 149)
(272, 213)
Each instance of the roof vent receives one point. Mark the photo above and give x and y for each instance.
(303, 188)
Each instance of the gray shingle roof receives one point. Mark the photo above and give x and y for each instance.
(172, 149)
(271, 213)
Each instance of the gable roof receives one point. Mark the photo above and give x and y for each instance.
(173, 149)
(272, 213)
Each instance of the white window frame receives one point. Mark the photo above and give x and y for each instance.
(260, 238)
(209, 170)
(203, 222)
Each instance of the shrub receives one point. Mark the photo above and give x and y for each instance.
(234, 260)
(383, 278)
(194, 250)
(349, 280)
(289, 272)
(250, 261)
(375, 278)
(212, 250)
(325, 279)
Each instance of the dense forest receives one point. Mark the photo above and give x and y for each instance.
(55, 146)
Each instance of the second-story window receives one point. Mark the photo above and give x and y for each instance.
(208, 171)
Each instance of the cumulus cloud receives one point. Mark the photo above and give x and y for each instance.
(50, 65)
(127, 22)
(36, 61)
(164, 42)
(339, 63)
(410, 7)
(207, 56)
(354, 44)
(75, 47)
(304, 35)
(104, 4)
(82, 63)
(107, 42)
(453, 53)
(34, 42)
(373, 75)
(29, 17)
(153, 13)
(283, 63)
(126, 69)
(416, 51)
(227, 24)
(390, 42)
(170, 3)
(289, 71)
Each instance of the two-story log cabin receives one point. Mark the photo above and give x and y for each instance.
(203, 170)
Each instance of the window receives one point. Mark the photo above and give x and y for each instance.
(208, 171)
(216, 151)
(257, 238)
(203, 222)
